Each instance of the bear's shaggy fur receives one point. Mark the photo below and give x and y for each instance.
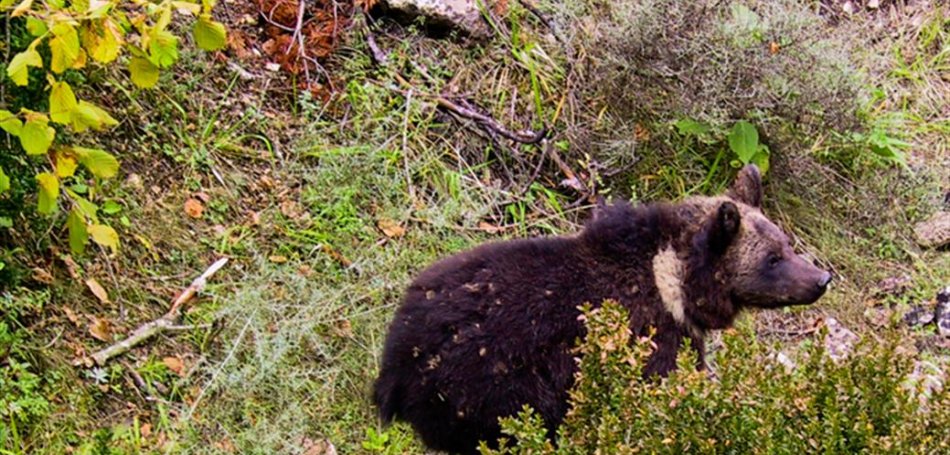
(482, 333)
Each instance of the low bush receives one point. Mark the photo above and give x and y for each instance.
(718, 62)
(864, 403)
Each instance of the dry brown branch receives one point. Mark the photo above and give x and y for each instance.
(486, 122)
(166, 322)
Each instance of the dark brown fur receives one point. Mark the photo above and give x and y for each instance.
(483, 333)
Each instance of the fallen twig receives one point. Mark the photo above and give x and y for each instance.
(167, 322)
(486, 122)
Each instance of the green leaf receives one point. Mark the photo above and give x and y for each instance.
(86, 209)
(36, 136)
(144, 74)
(10, 123)
(19, 65)
(761, 159)
(688, 127)
(78, 235)
(88, 115)
(35, 26)
(744, 141)
(4, 181)
(163, 48)
(111, 207)
(64, 47)
(99, 162)
(49, 192)
(105, 236)
(62, 102)
(209, 35)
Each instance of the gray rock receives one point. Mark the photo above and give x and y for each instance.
(461, 15)
(919, 315)
(926, 379)
(935, 231)
(943, 312)
(839, 343)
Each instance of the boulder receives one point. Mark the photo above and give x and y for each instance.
(935, 231)
(461, 15)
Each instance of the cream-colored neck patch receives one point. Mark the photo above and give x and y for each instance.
(668, 274)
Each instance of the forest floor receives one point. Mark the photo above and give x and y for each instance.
(328, 191)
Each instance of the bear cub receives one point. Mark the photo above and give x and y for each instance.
(485, 332)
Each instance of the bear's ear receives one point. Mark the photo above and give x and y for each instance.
(725, 227)
(747, 188)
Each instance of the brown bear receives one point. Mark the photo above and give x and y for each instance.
(485, 332)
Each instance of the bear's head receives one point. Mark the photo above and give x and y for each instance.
(755, 258)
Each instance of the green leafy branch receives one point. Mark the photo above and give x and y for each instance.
(74, 34)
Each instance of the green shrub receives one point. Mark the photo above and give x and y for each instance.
(718, 62)
(66, 37)
(865, 403)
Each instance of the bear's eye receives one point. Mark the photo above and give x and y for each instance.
(774, 259)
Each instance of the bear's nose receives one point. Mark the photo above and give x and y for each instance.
(824, 280)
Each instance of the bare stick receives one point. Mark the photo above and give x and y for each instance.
(166, 322)
(486, 122)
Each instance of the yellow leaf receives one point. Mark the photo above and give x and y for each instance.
(10, 123)
(80, 61)
(65, 164)
(87, 115)
(98, 290)
(144, 74)
(105, 236)
(100, 162)
(105, 48)
(36, 135)
(209, 35)
(18, 70)
(62, 101)
(64, 47)
(49, 192)
(22, 8)
(164, 18)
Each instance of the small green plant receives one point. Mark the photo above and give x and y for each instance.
(744, 142)
(867, 403)
(391, 441)
(742, 138)
(68, 36)
(22, 401)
